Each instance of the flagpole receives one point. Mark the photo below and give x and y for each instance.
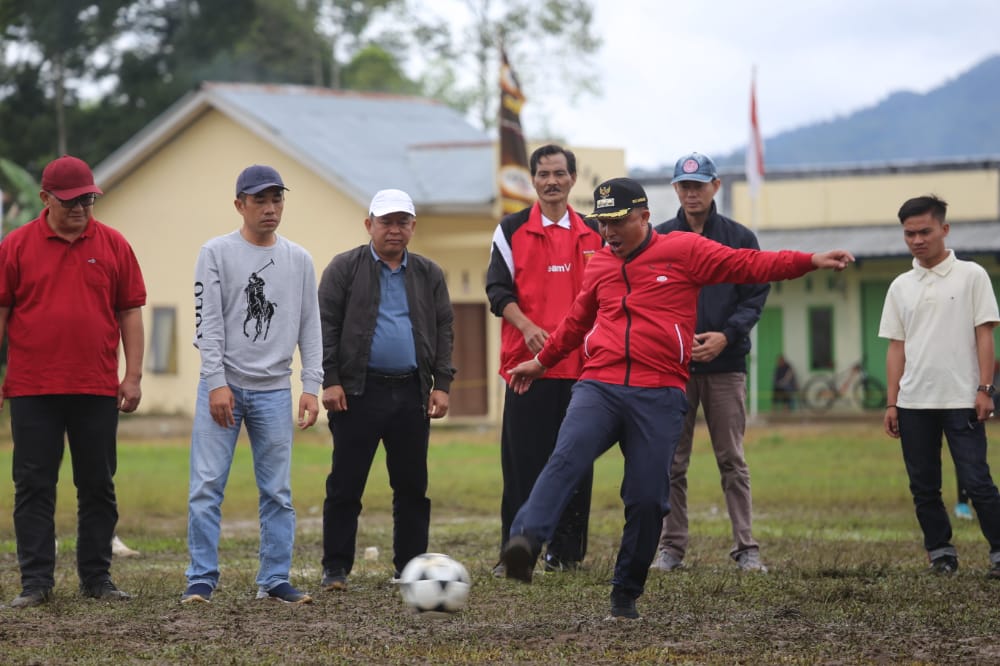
(754, 173)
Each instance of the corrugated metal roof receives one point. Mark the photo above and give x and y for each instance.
(359, 142)
(881, 241)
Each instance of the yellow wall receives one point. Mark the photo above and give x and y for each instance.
(867, 199)
(180, 197)
(182, 194)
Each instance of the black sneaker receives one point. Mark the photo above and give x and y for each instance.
(623, 605)
(32, 596)
(994, 572)
(944, 565)
(519, 557)
(554, 564)
(335, 579)
(104, 590)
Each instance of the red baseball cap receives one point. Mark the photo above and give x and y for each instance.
(69, 177)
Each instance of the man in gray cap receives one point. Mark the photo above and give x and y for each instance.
(718, 383)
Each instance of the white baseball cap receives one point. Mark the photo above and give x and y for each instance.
(391, 201)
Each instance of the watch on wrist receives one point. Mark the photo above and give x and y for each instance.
(988, 389)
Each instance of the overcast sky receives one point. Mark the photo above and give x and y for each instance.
(675, 74)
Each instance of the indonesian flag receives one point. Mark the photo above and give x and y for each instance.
(755, 147)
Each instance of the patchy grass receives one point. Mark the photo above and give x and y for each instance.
(832, 512)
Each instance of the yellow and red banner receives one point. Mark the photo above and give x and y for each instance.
(514, 176)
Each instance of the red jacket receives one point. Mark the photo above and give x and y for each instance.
(541, 269)
(636, 317)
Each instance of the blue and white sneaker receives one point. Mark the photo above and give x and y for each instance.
(197, 593)
(285, 593)
(963, 511)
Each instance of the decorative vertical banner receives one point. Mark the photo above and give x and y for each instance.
(514, 176)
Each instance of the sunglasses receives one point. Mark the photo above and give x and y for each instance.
(85, 200)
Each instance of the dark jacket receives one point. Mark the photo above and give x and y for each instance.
(349, 294)
(732, 309)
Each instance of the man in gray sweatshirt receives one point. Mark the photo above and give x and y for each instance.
(255, 301)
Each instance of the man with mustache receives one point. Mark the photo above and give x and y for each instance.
(536, 269)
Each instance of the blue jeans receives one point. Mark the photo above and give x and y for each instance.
(646, 423)
(268, 418)
(920, 432)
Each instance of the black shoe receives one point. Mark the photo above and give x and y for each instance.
(945, 565)
(334, 579)
(555, 564)
(994, 572)
(32, 596)
(623, 605)
(104, 590)
(519, 557)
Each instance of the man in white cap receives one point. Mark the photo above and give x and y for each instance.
(387, 343)
(255, 302)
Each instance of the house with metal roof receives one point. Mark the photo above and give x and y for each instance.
(826, 324)
(171, 187)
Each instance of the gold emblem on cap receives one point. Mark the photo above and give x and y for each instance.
(604, 190)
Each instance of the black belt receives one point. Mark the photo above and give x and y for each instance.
(391, 379)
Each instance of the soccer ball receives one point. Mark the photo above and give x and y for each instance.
(433, 582)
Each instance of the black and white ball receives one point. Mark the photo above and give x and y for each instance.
(433, 582)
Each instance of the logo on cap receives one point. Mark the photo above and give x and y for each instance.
(690, 166)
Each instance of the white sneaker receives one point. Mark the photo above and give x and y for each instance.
(119, 548)
(749, 560)
(667, 561)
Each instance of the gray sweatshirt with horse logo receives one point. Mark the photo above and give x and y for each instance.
(253, 305)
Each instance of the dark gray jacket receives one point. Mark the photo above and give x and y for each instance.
(349, 296)
(732, 309)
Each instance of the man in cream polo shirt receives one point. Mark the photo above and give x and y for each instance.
(939, 319)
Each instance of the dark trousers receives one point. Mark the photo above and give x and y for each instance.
(920, 433)
(530, 428)
(390, 411)
(646, 423)
(40, 426)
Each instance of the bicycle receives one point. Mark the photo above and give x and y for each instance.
(854, 384)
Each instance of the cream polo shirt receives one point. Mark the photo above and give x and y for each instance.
(934, 312)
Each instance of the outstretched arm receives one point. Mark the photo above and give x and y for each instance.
(834, 259)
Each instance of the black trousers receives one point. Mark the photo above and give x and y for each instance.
(40, 426)
(390, 411)
(530, 428)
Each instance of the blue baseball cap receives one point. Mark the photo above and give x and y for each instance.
(256, 178)
(695, 166)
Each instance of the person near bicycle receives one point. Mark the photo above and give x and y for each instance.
(718, 380)
(939, 319)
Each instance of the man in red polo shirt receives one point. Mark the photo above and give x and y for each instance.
(70, 288)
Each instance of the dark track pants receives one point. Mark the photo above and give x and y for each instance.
(646, 423)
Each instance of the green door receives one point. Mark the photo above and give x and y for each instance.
(770, 343)
(873, 347)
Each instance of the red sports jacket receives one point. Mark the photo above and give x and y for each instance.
(635, 317)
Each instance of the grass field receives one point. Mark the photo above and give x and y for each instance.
(832, 513)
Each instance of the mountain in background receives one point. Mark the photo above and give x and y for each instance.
(961, 118)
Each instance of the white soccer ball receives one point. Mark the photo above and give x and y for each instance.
(434, 583)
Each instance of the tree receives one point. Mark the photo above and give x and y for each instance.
(66, 40)
(344, 22)
(557, 33)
